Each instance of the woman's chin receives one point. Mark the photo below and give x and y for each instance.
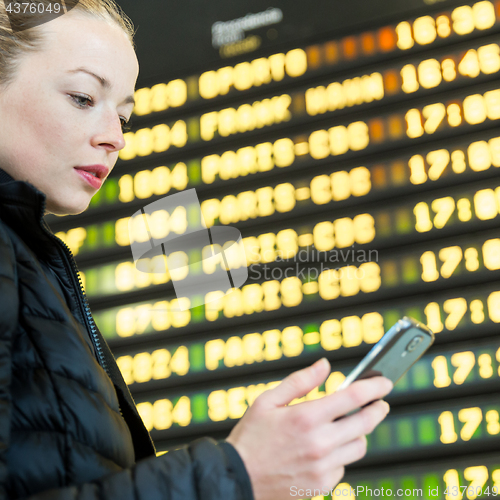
(70, 208)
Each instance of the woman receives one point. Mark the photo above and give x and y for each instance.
(69, 427)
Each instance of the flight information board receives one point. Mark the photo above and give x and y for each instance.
(361, 165)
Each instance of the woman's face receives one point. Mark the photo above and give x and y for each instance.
(55, 117)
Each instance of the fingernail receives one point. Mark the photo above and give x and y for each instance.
(319, 365)
(389, 384)
(387, 408)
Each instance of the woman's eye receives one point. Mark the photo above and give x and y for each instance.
(81, 100)
(126, 126)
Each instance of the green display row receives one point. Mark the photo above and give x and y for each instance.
(451, 479)
(274, 292)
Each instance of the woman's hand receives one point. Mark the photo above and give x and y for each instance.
(300, 445)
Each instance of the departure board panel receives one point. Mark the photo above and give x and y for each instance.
(360, 162)
(474, 477)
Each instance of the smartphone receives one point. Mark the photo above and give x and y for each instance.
(395, 353)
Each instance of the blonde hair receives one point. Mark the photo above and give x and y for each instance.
(20, 40)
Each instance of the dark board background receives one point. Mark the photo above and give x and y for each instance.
(174, 39)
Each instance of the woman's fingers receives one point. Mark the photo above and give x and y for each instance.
(359, 394)
(328, 471)
(361, 423)
(325, 439)
(336, 405)
(348, 453)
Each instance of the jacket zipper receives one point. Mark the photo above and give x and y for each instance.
(83, 302)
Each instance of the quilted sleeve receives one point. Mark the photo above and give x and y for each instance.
(205, 469)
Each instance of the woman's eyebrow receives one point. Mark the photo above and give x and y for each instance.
(104, 83)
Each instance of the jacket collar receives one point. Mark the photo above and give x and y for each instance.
(22, 207)
(5, 177)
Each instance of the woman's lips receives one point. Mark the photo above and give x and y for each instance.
(95, 182)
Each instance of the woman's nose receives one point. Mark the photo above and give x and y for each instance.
(111, 133)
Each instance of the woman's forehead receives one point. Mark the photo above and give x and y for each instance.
(75, 40)
(80, 32)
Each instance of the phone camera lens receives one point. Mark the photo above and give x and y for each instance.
(414, 343)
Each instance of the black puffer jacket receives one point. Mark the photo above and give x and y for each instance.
(69, 428)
